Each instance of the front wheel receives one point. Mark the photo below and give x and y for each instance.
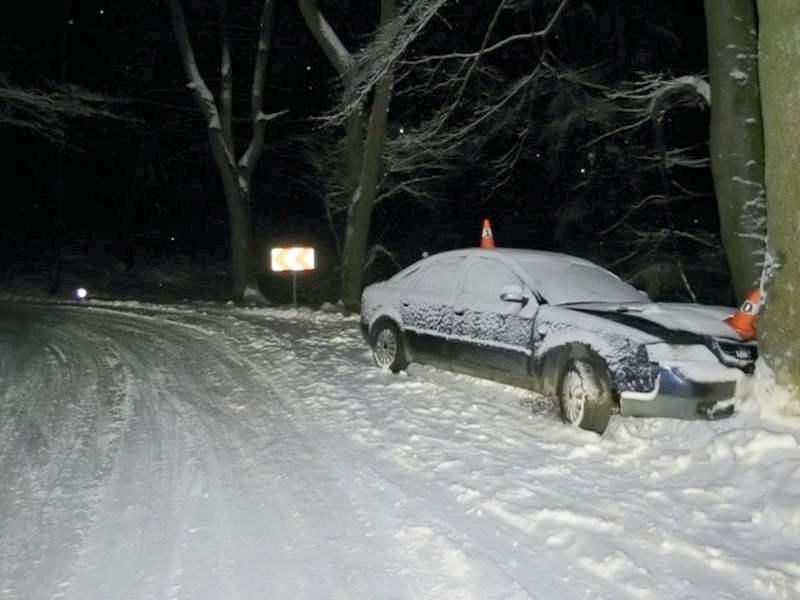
(387, 348)
(584, 394)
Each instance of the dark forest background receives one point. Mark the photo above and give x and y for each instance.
(129, 197)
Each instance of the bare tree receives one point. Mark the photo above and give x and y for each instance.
(417, 159)
(364, 149)
(466, 111)
(548, 111)
(658, 252)
(236, 173)
(469, 110)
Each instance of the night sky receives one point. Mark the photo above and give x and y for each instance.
(148, 175)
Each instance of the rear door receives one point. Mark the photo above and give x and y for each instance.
(426, 307)
(489, 333)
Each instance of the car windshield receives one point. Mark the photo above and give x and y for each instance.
(576, 282)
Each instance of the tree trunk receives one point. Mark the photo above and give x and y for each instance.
(237, 199)
(779, 65)
(345, 64)
(736, 137)
(236, 177)
(364, 158)
(359, 216)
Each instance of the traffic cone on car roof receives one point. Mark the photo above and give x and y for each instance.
(487, 239)
(743, 321)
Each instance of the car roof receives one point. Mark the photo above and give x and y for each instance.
(518, 255)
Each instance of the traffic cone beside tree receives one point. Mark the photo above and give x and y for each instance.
(743, 321)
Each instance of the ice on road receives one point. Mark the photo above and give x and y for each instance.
(193, 452)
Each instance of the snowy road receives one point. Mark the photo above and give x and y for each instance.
(212, 452)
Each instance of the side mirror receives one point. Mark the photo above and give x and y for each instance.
(513, 292)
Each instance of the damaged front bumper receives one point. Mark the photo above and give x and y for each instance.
(685, 392)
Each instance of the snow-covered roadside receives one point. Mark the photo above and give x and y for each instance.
(152, 451)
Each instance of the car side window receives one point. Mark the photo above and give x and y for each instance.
(484, 279)
(439, 279)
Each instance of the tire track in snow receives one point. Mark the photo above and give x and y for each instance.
(301, 484)
(58, 447)
(169, 495)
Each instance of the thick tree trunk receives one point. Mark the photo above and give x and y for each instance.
(359, 216)
(779, 65)
(240, 235)
(237, 200)
(736, 137)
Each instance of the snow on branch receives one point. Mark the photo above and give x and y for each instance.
(653, 89)
(499, 45)
(360, 73)
(471, 101)
(394, 39)
(261, 116)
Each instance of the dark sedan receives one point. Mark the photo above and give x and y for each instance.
(561, 326)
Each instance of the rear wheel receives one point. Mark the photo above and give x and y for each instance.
(584, 394)
(387, 347)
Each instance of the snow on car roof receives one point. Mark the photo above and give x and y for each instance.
(562, 278)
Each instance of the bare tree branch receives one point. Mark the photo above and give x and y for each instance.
(47, 110)
(257, 118)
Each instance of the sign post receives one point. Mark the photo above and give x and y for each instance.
(292, 259)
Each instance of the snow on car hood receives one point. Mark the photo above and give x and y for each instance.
(661, 318)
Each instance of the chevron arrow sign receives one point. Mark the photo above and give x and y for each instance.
(292, 259)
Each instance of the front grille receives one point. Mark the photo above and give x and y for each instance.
(739, 351)
(742, 355)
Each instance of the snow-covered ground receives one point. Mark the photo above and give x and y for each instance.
(209, 451)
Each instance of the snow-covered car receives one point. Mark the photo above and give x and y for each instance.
(561, 326)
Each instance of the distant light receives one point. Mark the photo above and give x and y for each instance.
(102, 11)
(81, 293)
(308, 67)
(402, 129)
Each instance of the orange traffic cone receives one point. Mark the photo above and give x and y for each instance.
(487, 239)
(743, 320)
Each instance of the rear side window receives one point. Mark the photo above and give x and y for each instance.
(440, 278)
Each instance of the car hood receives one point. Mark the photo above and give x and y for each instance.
(666, 320)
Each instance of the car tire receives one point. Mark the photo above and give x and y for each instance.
(387, 347)
(584, 395)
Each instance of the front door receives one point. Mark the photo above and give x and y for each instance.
(488, 332)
